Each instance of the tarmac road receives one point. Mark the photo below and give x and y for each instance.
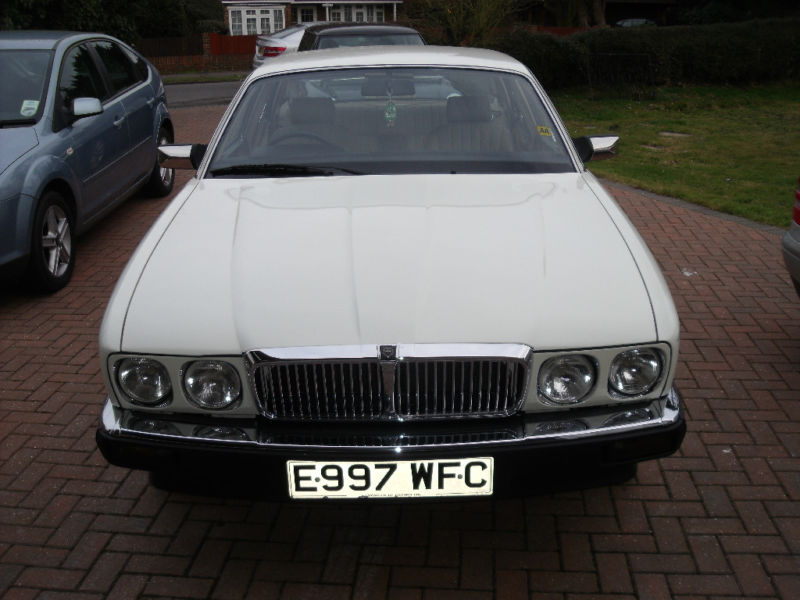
(180, 95)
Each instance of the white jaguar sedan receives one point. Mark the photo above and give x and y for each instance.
(392, 276)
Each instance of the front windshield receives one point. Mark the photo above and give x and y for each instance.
(391, 120)
(23, 74)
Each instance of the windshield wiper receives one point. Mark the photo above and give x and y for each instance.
(281, 170)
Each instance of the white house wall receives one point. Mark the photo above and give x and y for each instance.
(257, 17)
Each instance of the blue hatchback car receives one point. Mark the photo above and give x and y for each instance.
(81, 118)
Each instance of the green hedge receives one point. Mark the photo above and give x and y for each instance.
(730, 53)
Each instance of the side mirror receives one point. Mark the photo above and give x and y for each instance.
(584, 147)
(181, 156)
(596, 146)
(85, 107)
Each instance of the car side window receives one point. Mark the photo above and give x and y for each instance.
(79, 78)
(139, 64)
(122, 72)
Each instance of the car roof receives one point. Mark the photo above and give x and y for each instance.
(358, 29)
(369, 56)
(40, 40)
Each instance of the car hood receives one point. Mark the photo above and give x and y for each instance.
(249, 264)
(14, 143)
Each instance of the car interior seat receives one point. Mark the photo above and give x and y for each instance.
(471, 126)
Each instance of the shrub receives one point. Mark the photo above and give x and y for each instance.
(556, 61)
(729, 53)
(211, 26)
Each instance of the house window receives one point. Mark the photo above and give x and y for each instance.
(252, 22)
(257, 20)
(277, 18)
(359, 13)
(236, 22)
(306, 15)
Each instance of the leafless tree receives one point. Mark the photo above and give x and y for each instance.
(577, 13)
(466, 22)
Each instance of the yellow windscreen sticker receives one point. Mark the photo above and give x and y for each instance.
(544, 131)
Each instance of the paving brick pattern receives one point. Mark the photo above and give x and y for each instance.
(719, 520)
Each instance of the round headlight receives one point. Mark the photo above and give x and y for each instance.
(144, 380)
(566, 379)
(635, 372)
(211, 384)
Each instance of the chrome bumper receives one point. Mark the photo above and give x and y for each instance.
(252, 434)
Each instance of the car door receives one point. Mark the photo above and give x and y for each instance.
(128, 77)
(96, 145)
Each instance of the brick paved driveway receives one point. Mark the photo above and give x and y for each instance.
(720, 520)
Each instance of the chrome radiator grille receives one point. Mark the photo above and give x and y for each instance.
(400, 387)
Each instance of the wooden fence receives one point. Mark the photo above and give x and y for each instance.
(172, 46)
(202, 52)
(231, 44)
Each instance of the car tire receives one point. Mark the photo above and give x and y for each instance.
(52, 257)
(161, 179)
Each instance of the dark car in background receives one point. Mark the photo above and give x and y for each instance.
(81, 118)
(336, 35)
(635, 23)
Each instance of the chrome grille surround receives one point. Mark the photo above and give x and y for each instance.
(390, 382)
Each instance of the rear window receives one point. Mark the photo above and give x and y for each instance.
(394, 39)
(286, 32)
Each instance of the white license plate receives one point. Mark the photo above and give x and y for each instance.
(391, 479)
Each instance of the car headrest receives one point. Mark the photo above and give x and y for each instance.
(468, 109)
(381, 87)
(402, 87)
(309, 111)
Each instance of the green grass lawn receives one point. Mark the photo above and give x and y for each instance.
(736, 150)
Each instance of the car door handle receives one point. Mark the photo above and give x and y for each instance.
(151, 102)
(118, 122)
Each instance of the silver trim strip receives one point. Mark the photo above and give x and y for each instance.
(468, 350)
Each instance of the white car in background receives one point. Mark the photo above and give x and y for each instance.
(791, 242)
(276, 44)
(392, 276)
